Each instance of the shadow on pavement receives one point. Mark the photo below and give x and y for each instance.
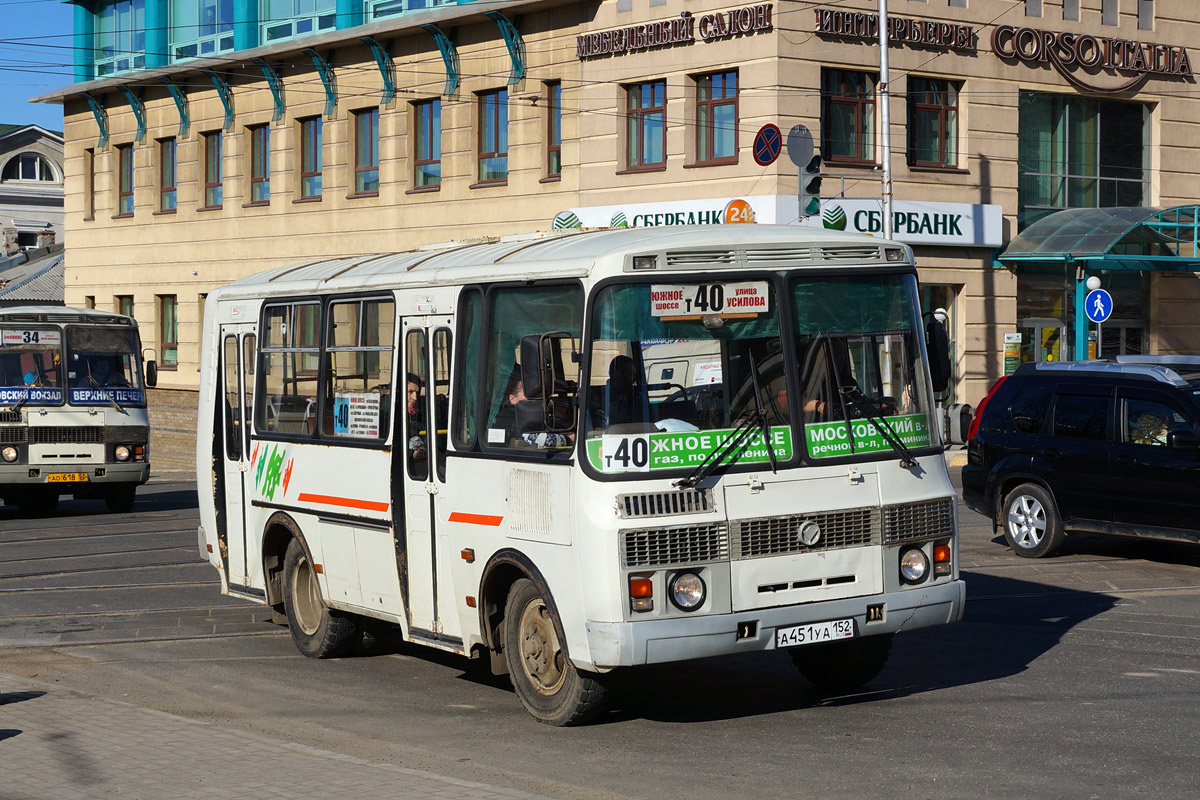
(147, 500)
(1117, 547)
(8, 698)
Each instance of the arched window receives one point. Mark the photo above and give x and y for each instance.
(29, 167)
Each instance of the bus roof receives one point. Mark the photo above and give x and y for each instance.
(60, 314)
(560, 254)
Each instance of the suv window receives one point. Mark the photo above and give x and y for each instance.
(1148, 422)
(1081, 416)
(1027, 411)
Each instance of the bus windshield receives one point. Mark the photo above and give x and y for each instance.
(676, 368)
(861, 374)
(103, 366)
(30, 366)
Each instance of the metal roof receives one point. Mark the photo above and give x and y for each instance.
(555, 254)
(1133, 238)
(37, 279)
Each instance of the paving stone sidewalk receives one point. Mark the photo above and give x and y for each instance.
(56, 744)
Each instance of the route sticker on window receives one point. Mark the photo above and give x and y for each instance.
(356, 414)
(750, 297)
(832, 439)
(651, 452)
(11, 338)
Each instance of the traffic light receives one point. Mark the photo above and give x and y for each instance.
(810, 188)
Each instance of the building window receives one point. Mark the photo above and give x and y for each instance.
(1145, 15)
(166, 174)
(214, 175)
(427, 155)
(200, 27)
(168, 331)
(1033, 8)
(553, 129)
(310, 157)
(1079, 152)
(29, 167)
(932, 123)
(89, 301)
(493, 137)
(646, 131)
(89, 184)
(848, 116)
(716, 118)
(1109, 12)
(390, 8)
(260, 164)
(124, 180)
(1071, 10)
(284, 19)
(123, 304)
(120, 37)
(366, 151)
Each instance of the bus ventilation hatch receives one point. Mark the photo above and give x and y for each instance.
(664, 504)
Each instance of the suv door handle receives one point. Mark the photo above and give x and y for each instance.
(1123, 461)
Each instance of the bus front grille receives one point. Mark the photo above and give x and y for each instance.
(12, 435)
(912, 521)
(804, 533)
(10, 416)
(685, 544)
(664, 504)
(66, 435)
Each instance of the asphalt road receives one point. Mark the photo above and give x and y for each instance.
(1072, 677)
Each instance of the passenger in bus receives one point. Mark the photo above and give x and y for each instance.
(508, 419)
(415, 418)
(103, 374)
(621, 401)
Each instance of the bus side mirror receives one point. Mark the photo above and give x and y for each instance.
(545, 379)
(937, 344)
(151, 371)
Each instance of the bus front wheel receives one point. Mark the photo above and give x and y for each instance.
(317, 631)
(544, 679)
(842, 666)
(119, 499)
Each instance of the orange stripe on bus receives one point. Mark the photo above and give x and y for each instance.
(475, 519)
(343, 502)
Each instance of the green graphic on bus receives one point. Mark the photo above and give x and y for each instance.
(649, 452)
(833, 439)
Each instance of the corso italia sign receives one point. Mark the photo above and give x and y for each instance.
(1072, 53)
(681, 30)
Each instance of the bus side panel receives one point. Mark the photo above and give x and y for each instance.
(207, 472)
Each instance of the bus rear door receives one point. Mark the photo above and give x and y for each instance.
(237, 376)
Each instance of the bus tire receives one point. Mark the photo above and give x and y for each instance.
(119, 499)
(542, 676)
(842, 666)
(318, 632)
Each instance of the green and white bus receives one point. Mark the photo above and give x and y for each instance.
(575, 453)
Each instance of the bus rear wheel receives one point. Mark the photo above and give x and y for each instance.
(318, 632)
(119, 499)
(842, 666)
(544, 679)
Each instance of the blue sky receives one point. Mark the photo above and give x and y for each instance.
(35, 57)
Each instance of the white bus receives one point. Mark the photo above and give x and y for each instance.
(72, 407)
(465, 441)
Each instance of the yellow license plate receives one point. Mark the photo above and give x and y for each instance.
(67, 477)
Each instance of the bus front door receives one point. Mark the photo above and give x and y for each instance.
(237, 377)
(422, 407)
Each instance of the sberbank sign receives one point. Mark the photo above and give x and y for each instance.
(959, 224)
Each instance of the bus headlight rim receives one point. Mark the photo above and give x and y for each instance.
(914, 565)
(9, 454)
(122, 453)
(687, 591)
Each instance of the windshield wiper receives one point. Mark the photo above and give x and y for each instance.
(22, 401)
(736, 439)
(107, 394)
(855, 398)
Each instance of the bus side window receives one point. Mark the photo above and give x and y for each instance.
(248, 348)
(416, 429)
(233, 404)
(359, 369)
(440, 389)
(470, 367)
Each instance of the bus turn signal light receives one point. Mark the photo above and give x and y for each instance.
(641, 594)
(941, 559)
(468, 555)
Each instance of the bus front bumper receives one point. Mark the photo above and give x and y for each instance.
(19, 475)
(622, 644)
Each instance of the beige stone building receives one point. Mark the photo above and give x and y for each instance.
(390, 131)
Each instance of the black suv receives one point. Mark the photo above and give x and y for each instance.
(1106, 446)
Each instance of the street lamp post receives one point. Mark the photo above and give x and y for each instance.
(885, 118)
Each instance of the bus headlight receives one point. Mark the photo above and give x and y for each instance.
(121, 453)
(9, 454)
(914, 565)
(687, 591)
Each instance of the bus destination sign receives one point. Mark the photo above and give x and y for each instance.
(709, 298)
